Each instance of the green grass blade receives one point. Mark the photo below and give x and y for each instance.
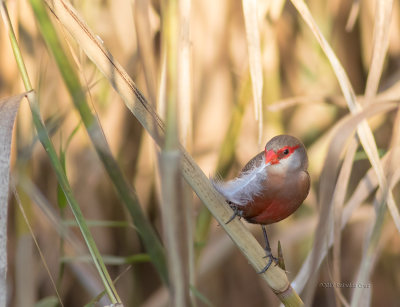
(200, 296)
(110, 260)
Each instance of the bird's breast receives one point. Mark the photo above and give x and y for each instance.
(280, 198)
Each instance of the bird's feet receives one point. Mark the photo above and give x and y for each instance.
(236, 212)
(271, 259)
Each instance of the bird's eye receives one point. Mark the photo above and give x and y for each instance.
(286, 151)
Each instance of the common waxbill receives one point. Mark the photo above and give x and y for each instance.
(271, 186)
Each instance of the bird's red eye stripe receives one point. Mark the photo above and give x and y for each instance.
(286, 151)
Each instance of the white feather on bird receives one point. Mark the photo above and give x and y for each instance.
(243, 189)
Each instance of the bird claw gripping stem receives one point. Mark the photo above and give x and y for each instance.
(236, 212)
(271, 259)
(268, 252)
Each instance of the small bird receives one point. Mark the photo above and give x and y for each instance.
(270, 187)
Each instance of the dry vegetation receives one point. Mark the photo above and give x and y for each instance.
(323, 72)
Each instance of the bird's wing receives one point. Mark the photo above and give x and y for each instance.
(254, 162)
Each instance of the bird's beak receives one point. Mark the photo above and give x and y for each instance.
(270, 157)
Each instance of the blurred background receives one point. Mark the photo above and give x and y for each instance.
(301, 96)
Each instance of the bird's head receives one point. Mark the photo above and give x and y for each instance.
(286, 153)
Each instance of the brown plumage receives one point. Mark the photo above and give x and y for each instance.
(271, 186)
